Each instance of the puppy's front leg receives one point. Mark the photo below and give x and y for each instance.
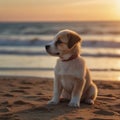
(77, 93)
(57, 91)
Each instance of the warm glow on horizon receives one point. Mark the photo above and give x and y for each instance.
(117, 6)
(64, 10)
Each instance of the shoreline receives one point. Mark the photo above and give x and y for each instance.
(18, 77)
(25, 98)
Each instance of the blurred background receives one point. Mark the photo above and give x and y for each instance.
(26, 26)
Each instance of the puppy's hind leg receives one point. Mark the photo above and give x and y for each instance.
(91, 94)
(77, 92)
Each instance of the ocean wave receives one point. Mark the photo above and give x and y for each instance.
(101, 44)
(32, 42)
(95, 28)
(80, 31)
(53, 32)
(38, 42)
(39, 53)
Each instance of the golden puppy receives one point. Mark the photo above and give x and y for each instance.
(72, 77)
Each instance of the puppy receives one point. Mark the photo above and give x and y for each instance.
(72, 77)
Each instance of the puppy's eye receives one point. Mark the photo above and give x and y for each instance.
(59, 42)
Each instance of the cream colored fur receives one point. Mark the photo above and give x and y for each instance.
(72, 78)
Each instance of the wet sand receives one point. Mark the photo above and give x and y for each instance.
(23, 98)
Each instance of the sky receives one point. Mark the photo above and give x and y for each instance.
(59, 10)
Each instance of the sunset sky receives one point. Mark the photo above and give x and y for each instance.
(59, 10)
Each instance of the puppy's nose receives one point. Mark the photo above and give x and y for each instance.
(47, 46)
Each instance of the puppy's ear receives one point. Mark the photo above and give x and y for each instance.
(73, 39)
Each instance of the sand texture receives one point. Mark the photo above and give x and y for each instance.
(23, 98)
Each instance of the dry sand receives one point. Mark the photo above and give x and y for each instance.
(23, 98)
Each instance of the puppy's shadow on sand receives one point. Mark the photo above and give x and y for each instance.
(43, 111)
(53, 111)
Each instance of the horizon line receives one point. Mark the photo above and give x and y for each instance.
(60, 21)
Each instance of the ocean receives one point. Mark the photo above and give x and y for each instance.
(22, 51)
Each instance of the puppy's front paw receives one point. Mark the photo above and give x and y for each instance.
(53, 102)
(74, 104)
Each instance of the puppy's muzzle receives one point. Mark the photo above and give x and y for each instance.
(48, 49)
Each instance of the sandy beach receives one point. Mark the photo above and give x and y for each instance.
(25, 98)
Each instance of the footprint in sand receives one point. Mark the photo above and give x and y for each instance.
(107, 86)
(43, 99)
(117, 106)
(36, 98)
(24, 87)
(18, 91)
(8, 116)
(106, 98)
(20, 102)
(44, 109)
(8, 95)
(104, 112)
(40, 93)
(110, 95)
(4, 109)
(4, 103)
(30, 97)
(77, 118)
(26, 82)
(99, 119)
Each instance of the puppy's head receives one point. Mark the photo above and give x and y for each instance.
(63, 43)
